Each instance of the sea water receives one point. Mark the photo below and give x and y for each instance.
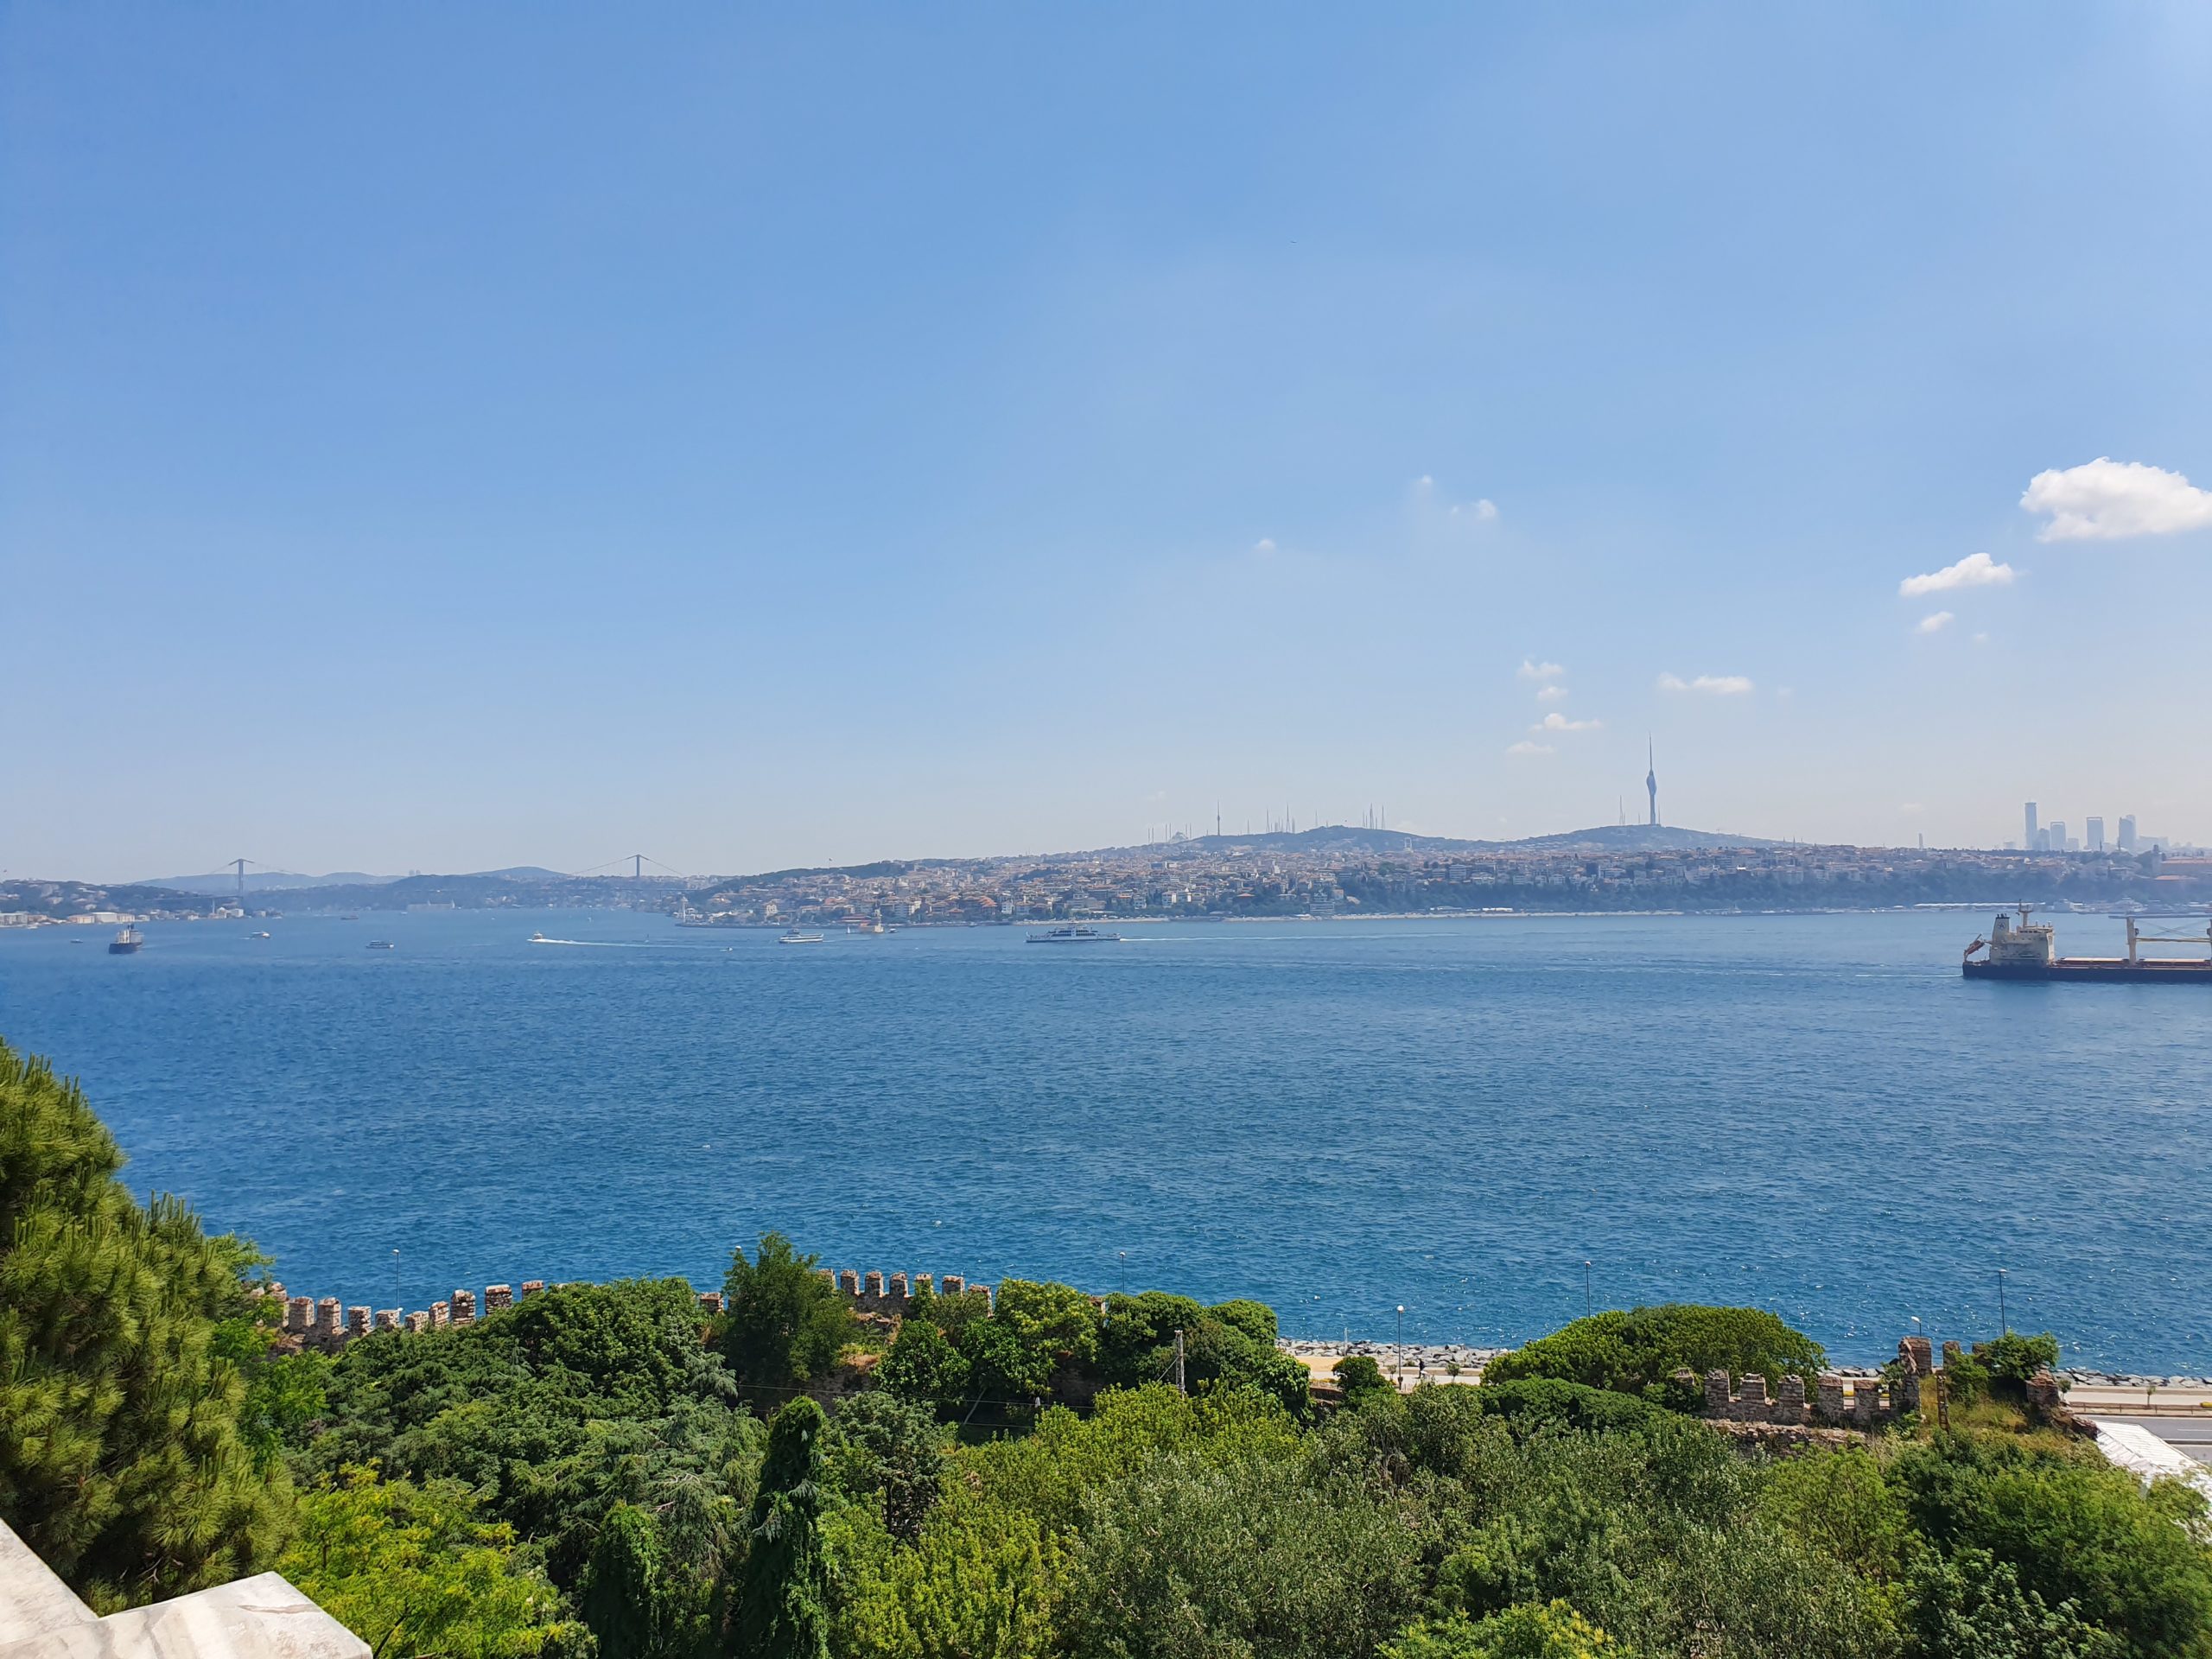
(1493, 1123)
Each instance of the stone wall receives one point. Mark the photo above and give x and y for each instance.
(874, 1293)
(326, 1326)
(1837, 1401)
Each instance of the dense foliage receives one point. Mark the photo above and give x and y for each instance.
(1639, 1351)
(127, 1344)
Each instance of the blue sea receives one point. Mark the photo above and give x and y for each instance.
(1493, 1122)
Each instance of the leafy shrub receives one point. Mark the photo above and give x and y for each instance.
(1552, 1632)
(1566, 1405)
(1222, 1346)
(1358, 1376)
(1973, 1606)
(2072, 1530)
(556, 1410)
(923, 1367)
(1640, 1349)
(415, 1570)
(1202, 1557)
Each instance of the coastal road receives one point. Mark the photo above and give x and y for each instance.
(2190, 1436)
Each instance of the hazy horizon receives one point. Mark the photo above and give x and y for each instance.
(768, 440)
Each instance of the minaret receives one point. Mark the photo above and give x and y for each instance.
(1652, 780)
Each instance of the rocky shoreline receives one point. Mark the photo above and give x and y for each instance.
(1453, 1358)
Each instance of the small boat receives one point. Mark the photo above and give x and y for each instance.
(257, 935)
(797, 937)
(379, 944)
(539, 938)
(125, 943)
(1074, 935)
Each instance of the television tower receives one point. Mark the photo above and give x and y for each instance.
(1651, 780)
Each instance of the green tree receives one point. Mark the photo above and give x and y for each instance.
(923, 1366)
(1642, 1348)
(892, 1453)
(1231, 1346)
(977, 1584)
(2073, 1529)
(1972, 1607)
(1552, 1631)
(1035, 1330)
(785, 1324)
(782, 1598)
(412, 1570)
(123, 1462)
(1193, 1558)
(1358, 1376)
(626, 1596)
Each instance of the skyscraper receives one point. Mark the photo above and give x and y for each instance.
(1652, 780)
(2058, 835)
(2029, 843)
(2093, 834)
(2127, 832)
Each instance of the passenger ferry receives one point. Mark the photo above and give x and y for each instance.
(797, 937)
(1074, 935)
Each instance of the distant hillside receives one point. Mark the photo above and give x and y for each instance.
(518, 889)
(221, 881)
(1351, 838)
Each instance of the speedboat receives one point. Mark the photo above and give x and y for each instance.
(1074, 935)
(257, 935)
(379, 944)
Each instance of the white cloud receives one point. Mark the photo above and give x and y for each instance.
(1719, 685)
(1975, 570)
(1935, 623)
(1529, 670)
(1560, 724)
(1911, 807)
(1551, 694)
(1981, 638)
(1265, 545)
(2104, 500)
(1524, 747)
(1484, 510)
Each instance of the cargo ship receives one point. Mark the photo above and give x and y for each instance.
(2026, 950)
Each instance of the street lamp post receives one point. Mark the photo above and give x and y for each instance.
(1399, 1381)
(2003, 1319)
(1586, 1289)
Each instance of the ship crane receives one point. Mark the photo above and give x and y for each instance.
(2135, 938)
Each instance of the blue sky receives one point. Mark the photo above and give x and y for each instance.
(444, 437)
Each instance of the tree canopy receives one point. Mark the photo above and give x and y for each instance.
(1642, 1348)
(124, 1461)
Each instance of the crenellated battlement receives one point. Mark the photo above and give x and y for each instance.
(327, 1324)
(1838, 1401)
(874, 1291)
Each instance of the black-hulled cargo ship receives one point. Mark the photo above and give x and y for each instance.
(2025, 950)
